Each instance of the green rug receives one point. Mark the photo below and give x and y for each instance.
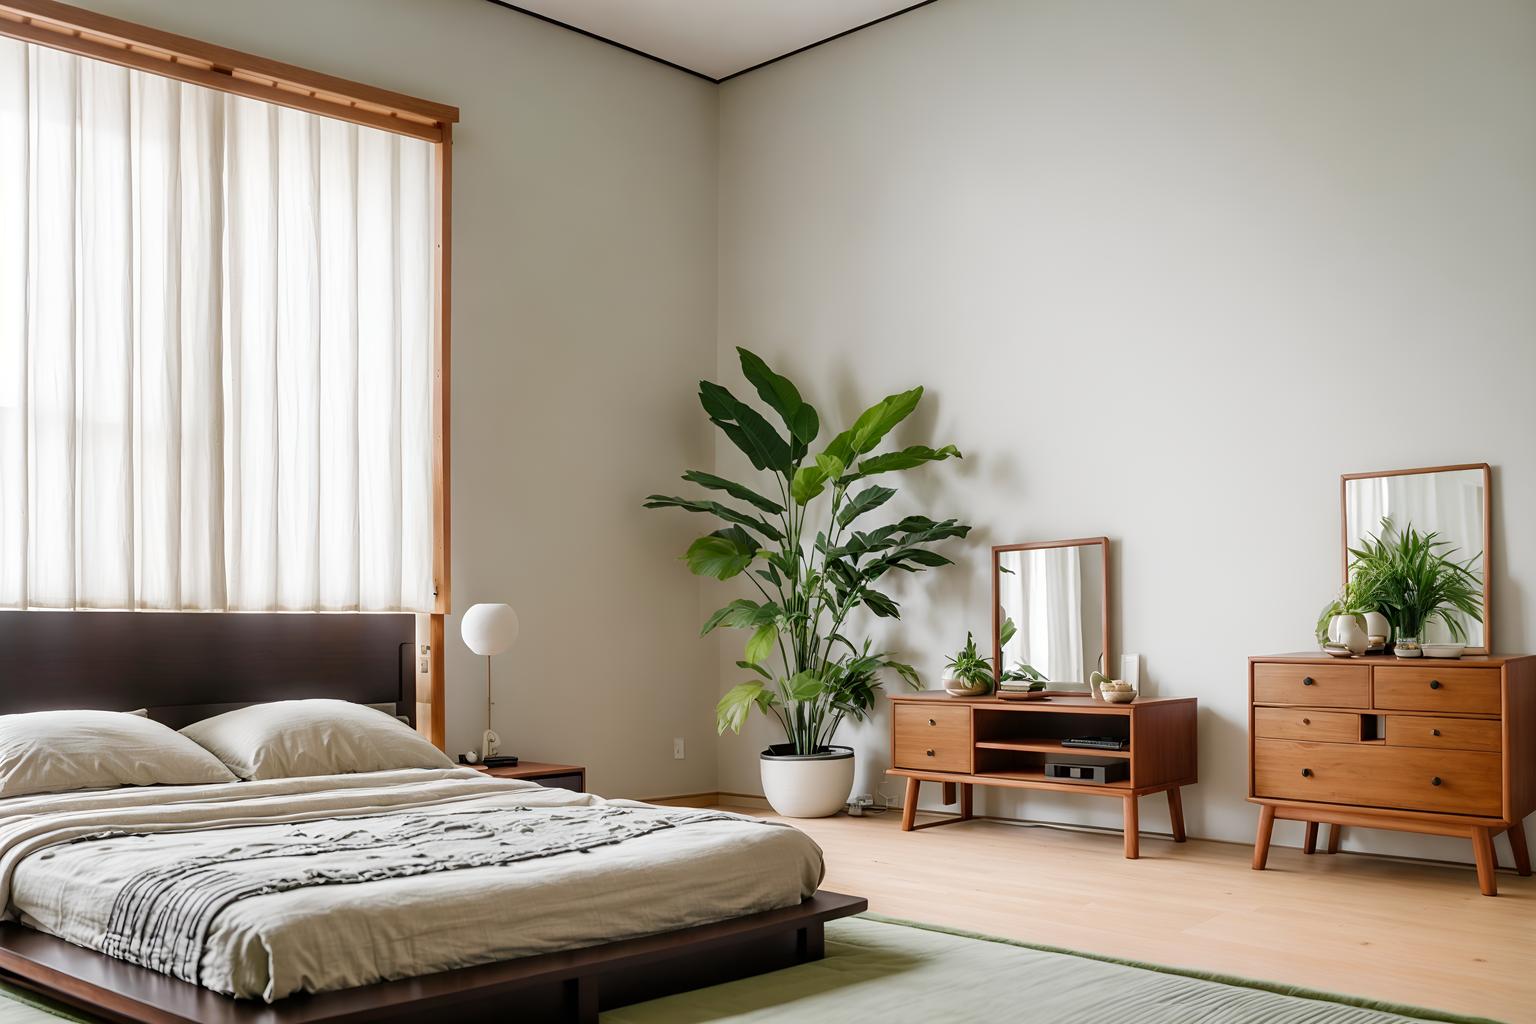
(882, 969)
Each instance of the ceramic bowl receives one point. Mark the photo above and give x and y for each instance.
(1443, 650)
(1118, 696)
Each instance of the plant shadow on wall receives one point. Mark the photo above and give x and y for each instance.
(805, 548)
(1405, 577)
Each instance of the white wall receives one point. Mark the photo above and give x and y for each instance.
(584, 305)
(1167, 270)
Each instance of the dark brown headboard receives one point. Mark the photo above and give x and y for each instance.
(188, 666)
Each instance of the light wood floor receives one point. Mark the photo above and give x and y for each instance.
(1403, 931)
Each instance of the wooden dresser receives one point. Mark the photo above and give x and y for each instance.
(1417, 745)
(960, 742)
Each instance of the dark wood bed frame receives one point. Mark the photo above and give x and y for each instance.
(187, 666)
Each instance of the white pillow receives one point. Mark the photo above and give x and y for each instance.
(59, 751)
(290, 738)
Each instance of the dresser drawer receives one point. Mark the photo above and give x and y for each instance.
(1453, 781)
(933, 737)
(1452, 733)
(1306, 724)
(1318, 686)
(1428, 688)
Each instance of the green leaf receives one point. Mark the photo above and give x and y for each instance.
(722, 554)
(783, 398)
(714, 508)
(755, 668)
(907, 458)
(760, 645)
(1007, 631)
(881, 605)
(741, 614)
(738, 702)
(746, 428)
(808, 482)
(866, 500)
(804, 686)
(735, 490)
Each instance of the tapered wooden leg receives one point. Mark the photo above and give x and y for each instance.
(1310, 846)
(1335, 833)
(1132, 830)
(1482, 850)
(1261, 840)
(1516, 835)
(1176, 814)
(965, 802)
(909, 805)
(949, 793)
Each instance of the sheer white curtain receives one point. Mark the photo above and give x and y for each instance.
(215, 349)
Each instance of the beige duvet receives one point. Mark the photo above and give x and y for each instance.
(334, 936)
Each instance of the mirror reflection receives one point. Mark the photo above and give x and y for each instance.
(1448, 502)
(1052, 612)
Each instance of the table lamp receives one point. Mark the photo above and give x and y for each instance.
(489, 629)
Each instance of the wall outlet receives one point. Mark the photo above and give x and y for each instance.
(677, 748)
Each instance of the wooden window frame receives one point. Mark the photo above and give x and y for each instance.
(88, 34)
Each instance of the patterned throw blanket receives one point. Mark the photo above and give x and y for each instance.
(161, 917)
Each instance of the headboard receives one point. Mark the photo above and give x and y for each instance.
(185, 666)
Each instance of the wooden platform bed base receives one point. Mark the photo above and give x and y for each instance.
(568, 986)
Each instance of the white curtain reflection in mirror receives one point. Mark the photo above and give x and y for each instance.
(1054, 597)
(1449, 503)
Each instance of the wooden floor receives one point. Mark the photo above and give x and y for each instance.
(1408, 932)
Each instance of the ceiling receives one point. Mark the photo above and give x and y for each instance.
(714, 39)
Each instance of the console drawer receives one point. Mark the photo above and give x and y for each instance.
(1454, 781)
(1306, 724)
(1325, 686)
(1430, 688)
(933, 737)
(1454, 733)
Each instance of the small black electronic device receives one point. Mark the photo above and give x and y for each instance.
(500, 762)
(1083, 772)
(1097, 742)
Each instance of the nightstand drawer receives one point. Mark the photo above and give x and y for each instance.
(1316, 686)
(1306, 724)
(573, 782)
(1453, 733)
(933, 737)
(1429, 688)
(1455, 781)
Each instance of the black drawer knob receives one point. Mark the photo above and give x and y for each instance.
(1306, 773)
(1306, 721)
(1435, 781)
(932, 722)
(928, 752)
(1434, 684)
(1307, 681)
(1434, 732)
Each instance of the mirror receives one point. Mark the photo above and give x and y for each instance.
(1449, 500)
(1055, 595)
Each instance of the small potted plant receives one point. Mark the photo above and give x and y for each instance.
(970, 673)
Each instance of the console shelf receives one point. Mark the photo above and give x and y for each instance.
(962, 742)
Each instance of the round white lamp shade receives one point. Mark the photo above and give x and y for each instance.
(489, 628)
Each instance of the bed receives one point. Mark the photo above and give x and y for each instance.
(392, 894)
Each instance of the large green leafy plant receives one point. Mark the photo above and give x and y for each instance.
(804, 546)
(1407, 576)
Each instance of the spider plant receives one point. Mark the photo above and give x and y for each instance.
(971, 668)
(1407, 576)
(1350, 601)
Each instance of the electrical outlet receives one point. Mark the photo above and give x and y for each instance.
(677, 748)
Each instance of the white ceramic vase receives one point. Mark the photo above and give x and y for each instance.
(806, 785)
(1349, 630)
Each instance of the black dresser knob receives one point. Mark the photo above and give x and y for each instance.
(1307, 681)
(1306, 773)
(930, 754)
(1434, 732)
(1434, 684)
(1435, 781)
(1306, 721)
(932, 722)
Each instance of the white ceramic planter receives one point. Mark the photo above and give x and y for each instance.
(807, 785)
(1349, 630)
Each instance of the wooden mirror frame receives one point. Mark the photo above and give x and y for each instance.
(1344, 480)
(998, 550)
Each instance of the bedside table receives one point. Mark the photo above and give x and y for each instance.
(556, 776)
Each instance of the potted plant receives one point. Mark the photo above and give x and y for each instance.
(1342, 623)
(800, 539)
(970, 673)
(1407, 577)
